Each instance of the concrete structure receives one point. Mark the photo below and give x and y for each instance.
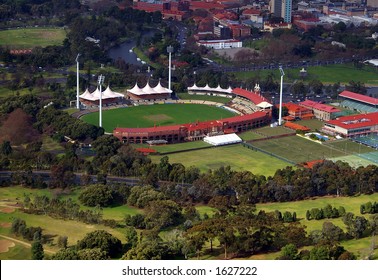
(351, 126)
(321, 111)
(358, 102)
(281, 8)
(220, 44)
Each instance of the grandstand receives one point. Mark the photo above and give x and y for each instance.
(359, 102)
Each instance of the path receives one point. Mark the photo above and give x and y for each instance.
(26, 244)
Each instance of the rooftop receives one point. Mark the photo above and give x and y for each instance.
(318, 106)
(356, 121)
(359, 97)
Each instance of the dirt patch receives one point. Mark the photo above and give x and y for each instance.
(6, 210)
(229, 54)
(158, 118)
(5, 225)
(5, 245)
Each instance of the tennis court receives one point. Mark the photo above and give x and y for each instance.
(370, 140)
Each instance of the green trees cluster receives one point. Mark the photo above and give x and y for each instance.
(19, 228)
(369, 208)
(327, 212)
(286, 217)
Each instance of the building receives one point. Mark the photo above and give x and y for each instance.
(220, 44)
(358, 102)
(352, 126)
(147, 93)
(282, 8)
(298, 112)
(192, 131)
(221, 31)
(321, 111)
(108, 97)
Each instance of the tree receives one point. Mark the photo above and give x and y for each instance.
(94, 195)
(62, 242)
(103, 240)
(332, 233)
(92, 254)
(37, 250)
(357, 87)
(289, 252)
(131, 236)
(6, 148)
(66, 254)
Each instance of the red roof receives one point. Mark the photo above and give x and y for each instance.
(255, 98)
(296, 126)
(251, 12)
(359, 97)
(318, 106)
(146, 150)
(294, 107)
(258, 114)
(202, 125)
(356, 121)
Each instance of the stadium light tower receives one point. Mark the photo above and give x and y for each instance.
(170, 51)
(100, 80)
(77, 82)
(280, 109)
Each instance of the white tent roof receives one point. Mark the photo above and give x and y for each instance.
(160, 89)
(86, 95)
(222, 139)
(208, 88)
(264, 105)
(148, 89)
(194, 87)
(108, 93)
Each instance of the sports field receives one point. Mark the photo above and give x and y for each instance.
(298, 149)
(236, 156)
(32, 37)
(159, 115)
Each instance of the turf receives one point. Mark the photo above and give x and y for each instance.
(174, 147)
(32, 37)
(298, 149)
(313, 124)
(218, 99)
(148, 116)
(236, 156)
(349, 147)
(250, 135)
(272, 131)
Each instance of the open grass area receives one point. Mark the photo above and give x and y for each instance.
(48, 144)
(32, 37)
(329, 74)
(18, 252)
(174, 147)
(313, 123)
(236, 156)
(159, 115)
(351, 204)
(349, 147)
(354, 160)
(272, 131)
(250, 135)
(218, 99)
(298, 149)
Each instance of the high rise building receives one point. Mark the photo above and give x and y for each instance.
(282, 8)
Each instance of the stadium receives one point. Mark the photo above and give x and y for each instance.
(245, 110)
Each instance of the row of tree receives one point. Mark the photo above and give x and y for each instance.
(327, 212)
(369, 208)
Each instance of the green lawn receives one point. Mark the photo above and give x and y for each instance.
(48, 144)
(174, 147)
(313, 123)
(272, 131)
(349, 147)
(298, 149)
(250, 135)
(160, 115)
(238, 157)
(329, 74)
(32, 37)
(218, 99)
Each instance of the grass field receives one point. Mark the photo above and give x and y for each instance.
(250, 135)
(32, 37)
(160, 115)
(351, 204)
(175, 147)
(349, 147)
(313, 124)
(272, 131)
(298, 149)
(342, 73)
(218, 99)
(236, 156)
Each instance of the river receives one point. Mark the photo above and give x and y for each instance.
(123, 50)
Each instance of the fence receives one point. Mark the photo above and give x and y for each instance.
(250, 146)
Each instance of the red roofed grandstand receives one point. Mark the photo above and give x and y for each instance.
(192, 131)
(359, 102)
(321, 111)
(351, 126)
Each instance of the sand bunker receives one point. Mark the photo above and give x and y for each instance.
(6, 210)
(5, 225)
(5, 245)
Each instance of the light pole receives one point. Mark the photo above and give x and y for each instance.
(77, 82)
(170, 51)
(101, 79)
(280, 109)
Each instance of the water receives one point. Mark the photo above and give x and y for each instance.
(123, 50)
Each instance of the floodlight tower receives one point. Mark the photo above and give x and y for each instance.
(280, 110)
(100, 80)
(170, 51)
(77, 82)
